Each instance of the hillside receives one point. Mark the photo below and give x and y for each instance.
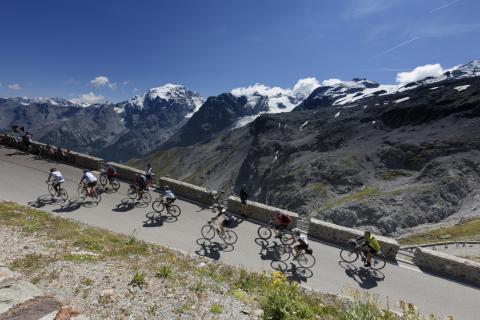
(384, 161)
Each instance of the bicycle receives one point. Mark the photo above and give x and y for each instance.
(265, 232)
(351, 255)
(134, 191)
(62, 193)
(208, 232)
(160, 204)
(94, 194)
(104, 180)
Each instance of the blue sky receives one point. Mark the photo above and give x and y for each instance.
(58, 47)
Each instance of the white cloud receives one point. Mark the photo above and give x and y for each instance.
(14, 86)
(419, 73)
(88, 98)
(358, 9)
(102, 81)
(331, 82)
(260, 89)
(304, 87)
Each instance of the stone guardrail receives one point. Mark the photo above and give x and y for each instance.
(435, 244)
(331, 232)
(75, 158)
(448, 265)
(124, 172)
(258, 211)
(188, 191)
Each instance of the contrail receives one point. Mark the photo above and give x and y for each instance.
(399, 46)
(445, 6)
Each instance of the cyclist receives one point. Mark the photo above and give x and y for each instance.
(301, 240)
(141, 181)
(282, 221)
(57, 178)
(225, 219)
(89, 181)
(111, 173)
(243, 199)
(169, 197)
(369, 246)
(27, 140)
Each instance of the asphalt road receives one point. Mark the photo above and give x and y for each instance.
(22, 181)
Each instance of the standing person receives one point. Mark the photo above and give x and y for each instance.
(149, 175)
(243, 199)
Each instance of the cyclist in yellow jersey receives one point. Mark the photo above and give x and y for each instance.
(369, 246)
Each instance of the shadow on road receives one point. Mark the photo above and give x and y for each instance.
(45, 200)
(292, 272)
(127, 204)
(365, 277)
(155, 219)
(72, 205)
(211, 249)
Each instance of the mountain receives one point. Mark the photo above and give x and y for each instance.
(385, 161)
(236, 109)
(113, 131)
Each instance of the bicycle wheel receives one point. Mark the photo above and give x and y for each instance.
(230, 237)
(348, 255)
(81, 191)
(51, 190)
(264, 232)
(378, 261)
(96, 196)
(103, 180)
(174, 210)
(306, 260)
(158, 206)
(115, 184)
(63, 194)
(132, 193)
(208, 232)
(285, 237)
(146, 197)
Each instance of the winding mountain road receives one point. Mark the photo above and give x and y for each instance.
(22, 181)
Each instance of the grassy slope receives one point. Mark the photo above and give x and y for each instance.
(467, 230)
(270, 292)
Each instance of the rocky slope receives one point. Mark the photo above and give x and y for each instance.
(113, 131)
(385, 161)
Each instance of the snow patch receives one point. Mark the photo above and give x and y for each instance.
(245, 120)
(337, 114)
(402, 100)
(462, 88)
(303, 125)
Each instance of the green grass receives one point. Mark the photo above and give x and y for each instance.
(467, 230)
(278, 299)
(320, 189)
(366, 193)
(390, 175)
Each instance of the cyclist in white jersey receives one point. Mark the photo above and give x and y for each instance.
(57, 178)
(89, 180)
(302, 241)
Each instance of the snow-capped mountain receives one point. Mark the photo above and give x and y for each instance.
(166, 96)
(337, 92)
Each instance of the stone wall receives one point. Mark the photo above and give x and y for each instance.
(124, 172)
(258, 211)
(330, 232)
(448, 265)
(187, 191)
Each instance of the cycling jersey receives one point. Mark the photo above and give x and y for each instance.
(111, 171)
(169, 194)
(89, 177)
(57, 176)
(302, 238)
(373, 243)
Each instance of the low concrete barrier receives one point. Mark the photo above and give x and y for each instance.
(331, 232)
(124, 172)
(187, 191)
(448, 265)
(258, 211)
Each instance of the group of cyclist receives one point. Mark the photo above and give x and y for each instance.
(223, 219)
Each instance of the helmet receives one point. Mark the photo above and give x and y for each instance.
(149, 165)
(166, 187)
(296, 231)
(53, 169)
(367, 233)
(244, 185)
(85, 170)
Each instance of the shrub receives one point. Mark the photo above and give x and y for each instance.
(216, 308)
(138, 280)
(164, 272)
